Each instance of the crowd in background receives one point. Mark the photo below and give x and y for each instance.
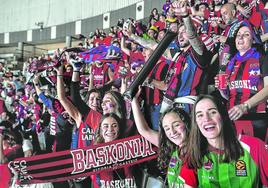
(203, 104)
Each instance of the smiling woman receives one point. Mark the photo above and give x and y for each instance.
(110, 129)
(216, 156)
(247, 75)
(171, 139)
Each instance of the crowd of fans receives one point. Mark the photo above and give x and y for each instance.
(203, 104)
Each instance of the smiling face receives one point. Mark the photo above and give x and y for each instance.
(108, 104)
(209, 120)
(109, 129)
(94, 101)
(243, 40)
(182, 37)
(174, 128)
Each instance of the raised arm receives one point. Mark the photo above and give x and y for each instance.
(67, 105)
(147, 43)
(142, 126)
(75, 87)
(123, 46)
(36, 84)
(181, 9)
(110, 75)
(151, 44)
(91, 79)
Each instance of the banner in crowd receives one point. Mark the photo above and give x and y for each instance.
(77, 163)
(101, 52)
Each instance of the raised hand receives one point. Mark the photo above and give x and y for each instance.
(76, 63)
(180, 7)
(128, 28)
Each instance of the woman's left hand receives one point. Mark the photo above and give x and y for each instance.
(236, 112)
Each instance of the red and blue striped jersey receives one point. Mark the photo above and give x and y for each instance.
(246, 78)
(153, 95)
(100, 74)
(190, 75)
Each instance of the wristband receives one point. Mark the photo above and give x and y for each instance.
(59, 75)
(185, 16)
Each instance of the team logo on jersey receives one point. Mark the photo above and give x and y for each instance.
(208, 165)
(173, 162)
(240, 168)
(254, 74)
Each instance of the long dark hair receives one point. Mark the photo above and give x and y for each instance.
(98, 135)
(89, 93)
(198, 144)
(255, 36)
(166, 147)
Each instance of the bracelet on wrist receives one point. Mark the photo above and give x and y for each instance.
(76, 71)
(245, 107)
(59, 75)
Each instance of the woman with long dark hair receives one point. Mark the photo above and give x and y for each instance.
(110, 129)
(103, 134)
(215, 156)
(247, 86)
(113, 102)
(171, 139)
